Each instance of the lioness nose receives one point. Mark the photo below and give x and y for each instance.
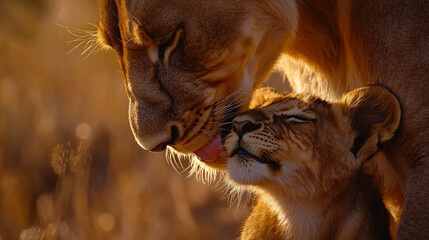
(174, 135)
(245, 126)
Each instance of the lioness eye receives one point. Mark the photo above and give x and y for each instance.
(168, 44)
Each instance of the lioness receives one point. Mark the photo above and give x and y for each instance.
(304, 158)
(190, 65)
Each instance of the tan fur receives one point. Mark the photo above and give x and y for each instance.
(226, 48)
(315, 186)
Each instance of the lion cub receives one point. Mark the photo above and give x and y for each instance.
(303, 157)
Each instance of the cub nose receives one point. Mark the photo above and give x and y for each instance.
(242, 127)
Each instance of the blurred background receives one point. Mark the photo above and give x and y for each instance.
(69, 165)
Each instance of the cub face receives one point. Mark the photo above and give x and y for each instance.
(306, 145)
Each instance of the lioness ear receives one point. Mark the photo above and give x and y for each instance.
(108, 33)
(262, 97)
(375, 114)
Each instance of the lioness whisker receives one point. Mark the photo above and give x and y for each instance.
(232, 95)
(171, 159)
(176, 159)
(231, 105)
(86, 38)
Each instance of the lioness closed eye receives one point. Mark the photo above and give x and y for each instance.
(304, 157)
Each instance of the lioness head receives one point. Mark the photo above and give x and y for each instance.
(188, 66)
(305, 144)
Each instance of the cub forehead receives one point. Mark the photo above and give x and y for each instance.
(281, 107)
(287, 105)
(291, 105)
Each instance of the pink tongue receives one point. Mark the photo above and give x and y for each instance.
(212, 150)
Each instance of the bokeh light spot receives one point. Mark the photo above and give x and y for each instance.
(83, 131)
(106, 222)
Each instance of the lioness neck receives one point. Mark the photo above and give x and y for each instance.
(320, 55)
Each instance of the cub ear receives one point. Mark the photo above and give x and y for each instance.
(375, 114)
(263, 97)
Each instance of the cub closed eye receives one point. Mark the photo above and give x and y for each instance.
(299, 118)
(168, 44)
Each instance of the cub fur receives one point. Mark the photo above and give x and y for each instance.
(304, 158)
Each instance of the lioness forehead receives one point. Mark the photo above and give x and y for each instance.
(218, 19)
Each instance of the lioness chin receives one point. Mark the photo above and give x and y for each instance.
(304, 158)
(189, 66)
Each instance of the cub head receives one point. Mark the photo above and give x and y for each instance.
(188, 66)
(306, 145)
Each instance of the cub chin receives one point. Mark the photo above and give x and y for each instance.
(304, 158)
